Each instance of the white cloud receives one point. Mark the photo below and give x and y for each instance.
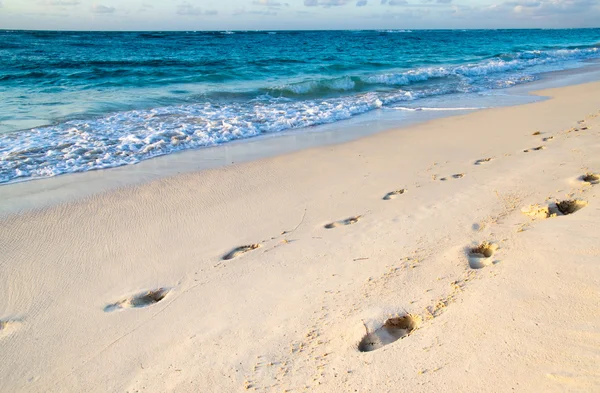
(60, 2)
(325, 3)
(544, 8)
(270, 3)
(188, 9)
(102, 9)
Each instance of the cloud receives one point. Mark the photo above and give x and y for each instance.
(188, 9)
(394, 2)
(243, 11)
(55, 3)
(325, 3)
(1, 4)
(544, 8)
(443, 1)
(270, 3)
(361, 3)
(102, 9)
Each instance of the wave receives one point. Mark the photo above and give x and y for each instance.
(499, 64)
(394, 31)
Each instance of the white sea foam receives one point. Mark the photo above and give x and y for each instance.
(128, 137)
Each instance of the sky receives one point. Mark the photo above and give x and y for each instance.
(295, 14)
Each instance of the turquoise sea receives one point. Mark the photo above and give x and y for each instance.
(78, 101)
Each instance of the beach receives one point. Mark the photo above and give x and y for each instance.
(267, 275)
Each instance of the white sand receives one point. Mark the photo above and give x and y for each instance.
(288, 315)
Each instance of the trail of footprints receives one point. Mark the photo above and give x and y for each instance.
(399, 326)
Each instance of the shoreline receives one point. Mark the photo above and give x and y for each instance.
(263, 276)
(45, 192)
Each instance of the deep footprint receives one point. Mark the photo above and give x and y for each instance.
(143, 299)
(483, 160)
(565, 207)
(592, 178)
(239, 251)
(480, 256)
(392, 330)
(393, 194)
(347, 221)
(458, 175)
(570, 206)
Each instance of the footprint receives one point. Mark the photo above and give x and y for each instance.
(347, 221)
(7, 327)
(536, 133)
(393, 194)
(565, 207)
(443, 179)
(239, 251)
(592, 178)
(458, 175)
(481, 255)
(549, 138)
(392, 330)
(534, 149)
(483, 160)
(143, 299)
(570, 206)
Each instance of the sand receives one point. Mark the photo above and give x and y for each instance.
(266, 276)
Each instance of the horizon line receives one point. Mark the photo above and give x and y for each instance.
(296, 30)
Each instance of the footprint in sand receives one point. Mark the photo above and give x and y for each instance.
(392, 330)
(143, 299)
(458, 175)
(592, 178)
(393, 194)
(563, 208)
(347, 221)
(548, 138)
(481, 255)
(7, 327)
(239, 251)
(570, 206)
(534, 149)
(483, 160)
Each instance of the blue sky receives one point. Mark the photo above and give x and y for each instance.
(294, 14)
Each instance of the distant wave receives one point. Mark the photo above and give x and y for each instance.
(395, 31)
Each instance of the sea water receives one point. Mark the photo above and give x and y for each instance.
(78, 101)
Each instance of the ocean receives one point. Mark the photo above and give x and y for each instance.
(79, 101)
